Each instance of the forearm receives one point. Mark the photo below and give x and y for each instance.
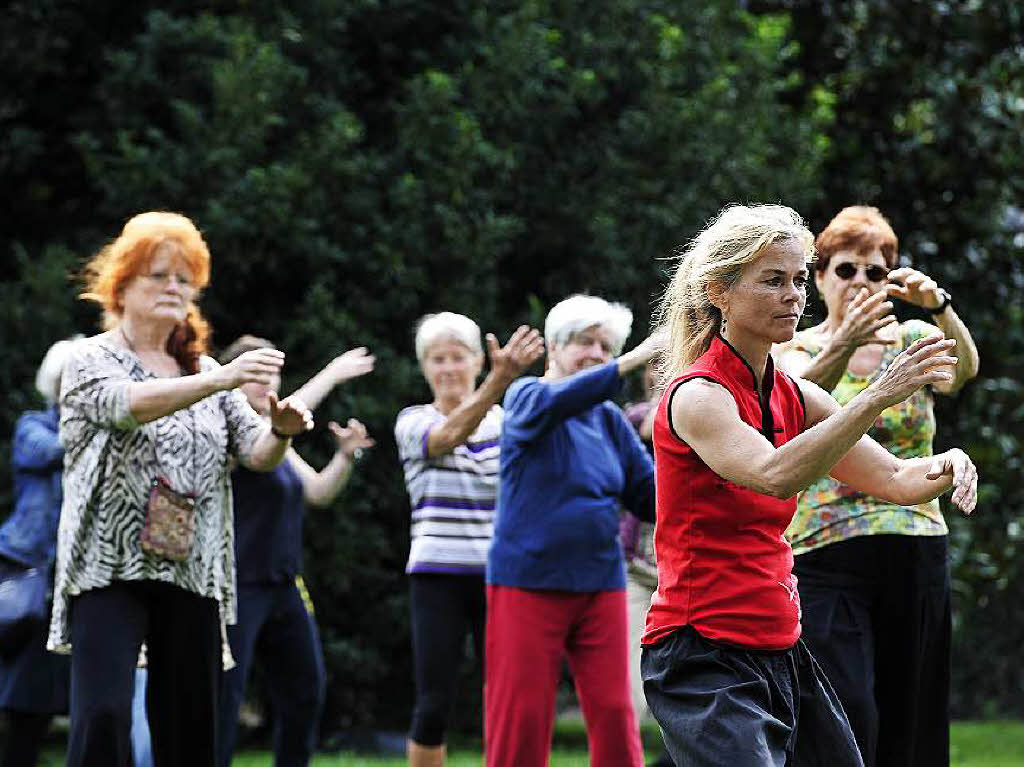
(464, 419)
(910, 485)
(633, 359)
(268, 452)
(313, 392)
(827, 368)
(322, 488)
(149, 400)
(966, 352)
(793, 467)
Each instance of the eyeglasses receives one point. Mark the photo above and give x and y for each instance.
(874, 273)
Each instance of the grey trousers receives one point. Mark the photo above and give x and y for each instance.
(720, 705)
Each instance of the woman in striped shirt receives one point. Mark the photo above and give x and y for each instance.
(449, 453)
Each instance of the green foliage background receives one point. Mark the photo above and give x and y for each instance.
(356, 164)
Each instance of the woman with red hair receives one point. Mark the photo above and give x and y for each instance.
(874, 581)
(145, 549)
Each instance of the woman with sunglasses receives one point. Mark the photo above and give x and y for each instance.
(873, 577)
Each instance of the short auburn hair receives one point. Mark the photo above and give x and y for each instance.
(117, 264)
(859, 228)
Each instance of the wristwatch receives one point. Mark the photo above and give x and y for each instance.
(946, 301)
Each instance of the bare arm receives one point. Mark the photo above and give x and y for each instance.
(708, 420)
(352, 364)
(641, 354)
(872, 469)
(919, 289)
(320, 488)
(522, 350)
(149, 400)
(967, 360)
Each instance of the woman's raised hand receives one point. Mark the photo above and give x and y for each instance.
(290, 416)
(352, 364)
(866, 315)
(965, 477)
(926, 361)
(352, 439)
(914, 287)
(258, 366)
(523, 349)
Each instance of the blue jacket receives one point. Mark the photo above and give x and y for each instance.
(29, 534)
(569, 462)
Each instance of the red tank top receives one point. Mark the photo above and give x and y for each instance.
(724, 565)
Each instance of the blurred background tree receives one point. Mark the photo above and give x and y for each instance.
(357, 164)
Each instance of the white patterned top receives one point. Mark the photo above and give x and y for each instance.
(109, 462)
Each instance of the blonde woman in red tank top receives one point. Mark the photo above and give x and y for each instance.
(724, 670)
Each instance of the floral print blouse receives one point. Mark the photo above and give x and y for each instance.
(830, 511)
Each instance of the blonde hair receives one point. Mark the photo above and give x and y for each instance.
(458, 327)
(717, 255)
(579, 312)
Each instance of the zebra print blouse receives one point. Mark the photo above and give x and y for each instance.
(110, 460)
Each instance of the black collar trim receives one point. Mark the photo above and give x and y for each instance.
(764, 396)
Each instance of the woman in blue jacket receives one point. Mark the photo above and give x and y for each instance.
(34, 682)
(555, 574)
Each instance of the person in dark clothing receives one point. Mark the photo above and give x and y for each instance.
(34, 682)
(275, 624)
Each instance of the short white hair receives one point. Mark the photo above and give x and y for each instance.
(579, 312)
(50, 369)
(447, 325)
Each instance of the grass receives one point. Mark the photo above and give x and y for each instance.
(973, 744)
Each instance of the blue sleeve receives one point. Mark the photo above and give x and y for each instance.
(638, 488)
(532, 406)
(35, 446)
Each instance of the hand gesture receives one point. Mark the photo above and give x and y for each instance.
(918, 288)
(915, 367)
(523, 349)
(652, 346)
(965, 477)
(290, 416)
(352, 439)
(258, 366)
(867, 314)
(352, 364)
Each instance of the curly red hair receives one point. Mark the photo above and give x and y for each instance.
(110, 270)
(859, 228)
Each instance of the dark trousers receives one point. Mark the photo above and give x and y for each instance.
(444, 609)
(877, 616)
(720, 705)
(182, 635)
(275, 628)
(26, 732)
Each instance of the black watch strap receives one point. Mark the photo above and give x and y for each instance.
(946, 301)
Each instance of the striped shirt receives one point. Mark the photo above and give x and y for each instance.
(452, 495)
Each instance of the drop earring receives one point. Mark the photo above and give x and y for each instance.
(724, 325)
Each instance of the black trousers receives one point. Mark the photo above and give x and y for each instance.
(720, 705)
(182, 635)
(877, 616)
(275, 628)
(444, 609)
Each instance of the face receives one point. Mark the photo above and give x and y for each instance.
(589, 347)
(769, 297)
(257, 393)
(451, 369)
(162, 291)
(846, 274)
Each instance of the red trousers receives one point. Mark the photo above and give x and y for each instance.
(528, 633)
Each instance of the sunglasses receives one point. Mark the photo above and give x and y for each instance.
(874, 273)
